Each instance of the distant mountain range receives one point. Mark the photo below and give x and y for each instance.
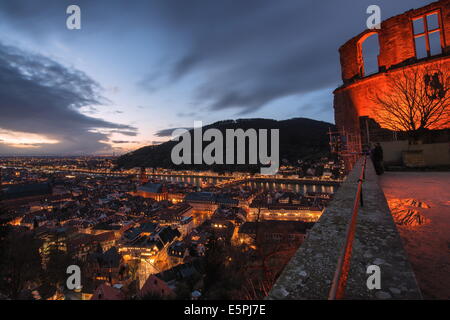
(300, 139)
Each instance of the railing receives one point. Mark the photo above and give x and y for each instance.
(314, 268)
(339, 282)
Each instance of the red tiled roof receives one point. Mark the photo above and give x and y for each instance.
(106, 292)
(155, 285)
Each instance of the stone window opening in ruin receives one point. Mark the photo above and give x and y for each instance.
(428, 39)
(369, 50)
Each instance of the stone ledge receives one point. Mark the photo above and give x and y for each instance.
(310, 272)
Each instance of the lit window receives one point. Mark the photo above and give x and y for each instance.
(427, 35)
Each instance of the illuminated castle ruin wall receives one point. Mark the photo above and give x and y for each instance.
(398, 40)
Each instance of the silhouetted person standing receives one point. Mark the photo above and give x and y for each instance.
(377, 158)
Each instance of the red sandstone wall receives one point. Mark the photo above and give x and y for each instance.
(353, 101)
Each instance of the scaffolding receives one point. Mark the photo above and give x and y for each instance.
(346, 145)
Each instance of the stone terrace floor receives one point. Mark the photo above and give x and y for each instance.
(428, 246)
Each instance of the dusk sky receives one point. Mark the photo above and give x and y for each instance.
(138, 68)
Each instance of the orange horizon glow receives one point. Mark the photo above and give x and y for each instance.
(18, 139)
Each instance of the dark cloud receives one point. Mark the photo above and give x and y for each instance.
(124, 141)
(131, 133)
(168, 132)
(38, 95)
(256, 51)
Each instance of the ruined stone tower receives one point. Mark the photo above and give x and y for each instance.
(416, 38)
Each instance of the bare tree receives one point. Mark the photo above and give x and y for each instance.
(417, 99)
